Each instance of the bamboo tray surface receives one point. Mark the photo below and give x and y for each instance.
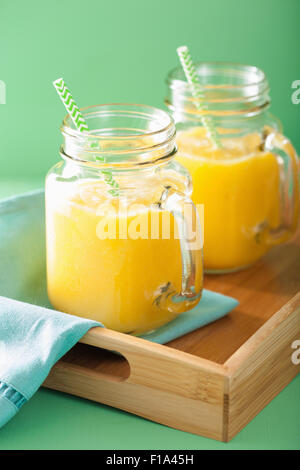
(212, 381)
(261, 290)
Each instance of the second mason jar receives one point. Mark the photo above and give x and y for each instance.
(249, 186)
(124, 244)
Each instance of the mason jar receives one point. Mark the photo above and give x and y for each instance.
(248, 184)
(124, 243)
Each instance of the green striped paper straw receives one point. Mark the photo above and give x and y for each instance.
(80, 124)
(198, 92)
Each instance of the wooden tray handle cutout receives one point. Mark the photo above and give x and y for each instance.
(91, 354)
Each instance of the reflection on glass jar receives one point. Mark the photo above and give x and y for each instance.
(126, 253)
(249, 187)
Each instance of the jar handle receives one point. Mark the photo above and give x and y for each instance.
(189, 232)
(287, 160)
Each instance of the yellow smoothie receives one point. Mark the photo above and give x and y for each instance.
(239, 187)
(99, 267)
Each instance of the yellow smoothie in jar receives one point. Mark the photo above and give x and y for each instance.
(125, 283)
(239, 187)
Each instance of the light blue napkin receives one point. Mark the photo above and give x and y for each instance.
(32, 339)
(33, 336)
(211, 307)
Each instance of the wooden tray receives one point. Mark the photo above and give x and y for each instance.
(212, 381)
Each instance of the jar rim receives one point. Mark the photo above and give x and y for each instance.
(235, 68)
(68, 127)
(228, 90)
(120, 134)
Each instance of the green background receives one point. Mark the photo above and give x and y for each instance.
(121, 50)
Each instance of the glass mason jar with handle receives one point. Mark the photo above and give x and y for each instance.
(124, 243)
(249, 186)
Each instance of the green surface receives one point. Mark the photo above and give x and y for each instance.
(121, 51)
(52, 420)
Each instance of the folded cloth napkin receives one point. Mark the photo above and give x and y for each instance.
(33, 336)
(32, 339)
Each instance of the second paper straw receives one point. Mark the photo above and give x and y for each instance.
(197, 92)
